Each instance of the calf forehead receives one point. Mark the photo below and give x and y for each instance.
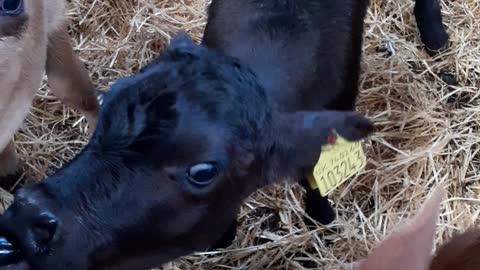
(198, 139)
(154, 112)
(205, 83)
(188, 103)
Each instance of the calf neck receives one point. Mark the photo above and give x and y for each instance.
(306, 54)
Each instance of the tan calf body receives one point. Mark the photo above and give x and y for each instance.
(410, 246)
(31, 44)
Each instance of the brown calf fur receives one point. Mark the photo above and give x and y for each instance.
(30, 43)
(410, 247)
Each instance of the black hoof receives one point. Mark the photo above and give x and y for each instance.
(433, 36)
(436, 45)
(429, 21)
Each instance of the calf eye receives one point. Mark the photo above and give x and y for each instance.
(12, 7)
(202, 174)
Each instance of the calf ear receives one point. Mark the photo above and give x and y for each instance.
(409, 247)
(305, 133)
(182, 41)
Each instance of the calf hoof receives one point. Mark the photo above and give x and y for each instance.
(432, 32)
(435, 41)
(318, 208)
(227, 238)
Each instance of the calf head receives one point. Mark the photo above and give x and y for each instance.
(177, 149)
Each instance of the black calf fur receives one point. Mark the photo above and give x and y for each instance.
(306, 53)
(180, 145)
(429, 21)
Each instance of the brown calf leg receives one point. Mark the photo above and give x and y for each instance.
(8, 161)
(68, 78)
(10, 173)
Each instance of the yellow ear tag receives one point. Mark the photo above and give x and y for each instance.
(339, 160)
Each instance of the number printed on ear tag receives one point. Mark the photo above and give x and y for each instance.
(339, 160)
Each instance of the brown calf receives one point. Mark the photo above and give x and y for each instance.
(34, 38)
(410, 247)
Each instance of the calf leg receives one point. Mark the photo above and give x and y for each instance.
(8, 160)
(68, 77)
(429, 21)
(8, 166)
(317, 206)
(227, 238)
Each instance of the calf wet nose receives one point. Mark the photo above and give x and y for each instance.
(44, 227)
(23, 231)
(29, 224)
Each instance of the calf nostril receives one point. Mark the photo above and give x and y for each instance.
(9, 254)
(44, 228)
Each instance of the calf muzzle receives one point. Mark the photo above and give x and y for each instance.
(27, 227)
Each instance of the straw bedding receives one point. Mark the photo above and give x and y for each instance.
(427, 112)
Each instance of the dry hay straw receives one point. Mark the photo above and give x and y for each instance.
(427, 129)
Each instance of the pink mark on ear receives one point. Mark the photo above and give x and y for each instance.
(332, 139)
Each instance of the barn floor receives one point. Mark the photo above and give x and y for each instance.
(427, 129)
